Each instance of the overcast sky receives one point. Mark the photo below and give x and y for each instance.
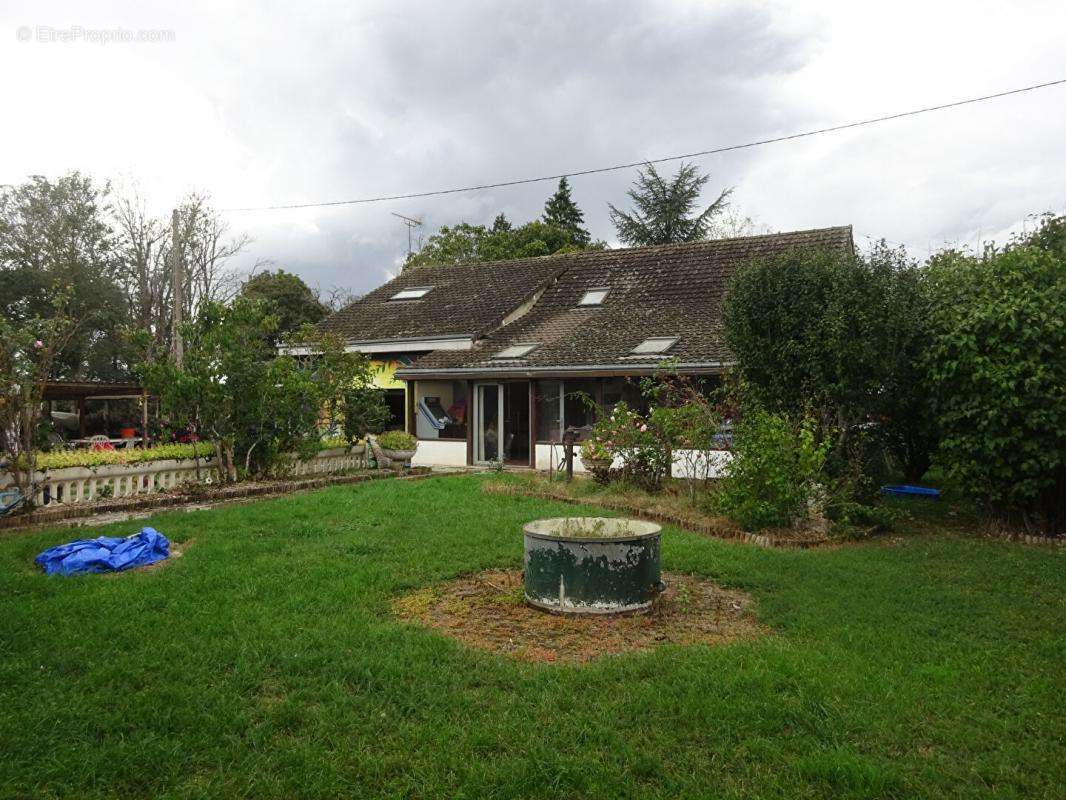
(272, 103)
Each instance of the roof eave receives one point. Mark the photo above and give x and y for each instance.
(563, 371)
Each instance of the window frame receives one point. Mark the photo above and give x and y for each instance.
(529, 348)
(640, 351)
(422, 290)
(584, 302)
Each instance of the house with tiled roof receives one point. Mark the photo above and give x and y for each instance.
(497, 358)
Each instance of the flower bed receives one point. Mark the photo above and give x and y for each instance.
(61, 459)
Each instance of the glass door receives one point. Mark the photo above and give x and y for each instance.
(488, 433)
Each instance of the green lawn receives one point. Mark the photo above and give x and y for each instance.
(264, 664)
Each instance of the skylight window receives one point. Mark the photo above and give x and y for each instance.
(594, 297)
(413, 293)
(516, 350)
(654, 346)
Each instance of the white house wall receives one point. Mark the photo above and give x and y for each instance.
(685, 461)
(439, 454)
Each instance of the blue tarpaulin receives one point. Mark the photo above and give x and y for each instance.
(105, 553)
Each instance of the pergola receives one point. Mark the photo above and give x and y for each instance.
(80, 391)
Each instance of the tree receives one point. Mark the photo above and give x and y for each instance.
(287, 296)
(251, 403)
(54, 237)
(665, 210)
(828, 334)
(465, 243)
(141, 245)
(806, 328)
(562, 212)
(28, 351)
(907, 418)
(997, 373)
(207, 246)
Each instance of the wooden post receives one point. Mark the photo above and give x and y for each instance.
(533, 422)
(470, 423)
(81, 417)
(144, 419)
(409, 398)
(177, 291)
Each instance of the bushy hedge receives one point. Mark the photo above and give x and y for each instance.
(997, 373)
(397, 440)
(964, 358)
(61, 459)
(837, 336)
(774, 474)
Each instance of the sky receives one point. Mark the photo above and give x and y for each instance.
(269, 103)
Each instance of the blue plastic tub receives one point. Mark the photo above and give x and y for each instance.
(904, 490)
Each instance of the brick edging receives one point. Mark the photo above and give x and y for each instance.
(706, 529)
(50, 516)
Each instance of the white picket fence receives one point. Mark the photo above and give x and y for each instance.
(83, 484)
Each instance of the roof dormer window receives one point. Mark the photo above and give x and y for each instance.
(594, 297)
(517, 350)
(654, 346)
(412, 293)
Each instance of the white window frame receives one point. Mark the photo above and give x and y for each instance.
(601, 291)
(412, 293)
(654, 345)
(521, 350)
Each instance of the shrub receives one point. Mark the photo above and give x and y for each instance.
(397, 440)
(593, 448)
(775, 472)
(61, 459)
(364, 410)
(254, 404)
(645, 454)
(687, 418)
(997, 372)
(331, 442)
(839, 336)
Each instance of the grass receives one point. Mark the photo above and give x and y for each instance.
(264, 663)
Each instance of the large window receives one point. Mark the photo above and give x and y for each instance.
(549, 414)
(578, 403)
(575, 410)
(441, 409)
(617, 389)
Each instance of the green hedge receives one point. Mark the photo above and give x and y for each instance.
(61, 459)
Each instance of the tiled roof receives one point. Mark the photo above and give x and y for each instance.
(662, 291)
(469, 299)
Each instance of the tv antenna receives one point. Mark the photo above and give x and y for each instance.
(411, 225)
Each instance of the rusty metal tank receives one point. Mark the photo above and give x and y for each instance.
(592, 565)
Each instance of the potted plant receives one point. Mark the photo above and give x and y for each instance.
(397, 446)
(595, 455)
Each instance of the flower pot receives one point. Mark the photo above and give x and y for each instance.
(593, 464)
(398, 456)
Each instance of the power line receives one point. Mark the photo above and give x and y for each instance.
(632, 164)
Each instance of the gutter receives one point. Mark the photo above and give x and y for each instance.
(449, 341)
(590, 370)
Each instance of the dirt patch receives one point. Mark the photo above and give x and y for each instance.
(488, 611)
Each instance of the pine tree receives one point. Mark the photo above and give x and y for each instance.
(562, 212)
(663, 209)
